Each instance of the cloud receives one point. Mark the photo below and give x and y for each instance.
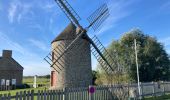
(39, 44)
(10, 44)
(13, 10)
(18, 10)
(33, 64)
(118, 10)
(25, 12)
(48, 6)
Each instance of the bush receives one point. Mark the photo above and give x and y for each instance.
(22, 86)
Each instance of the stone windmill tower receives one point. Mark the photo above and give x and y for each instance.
(80, 61)
(70, 58)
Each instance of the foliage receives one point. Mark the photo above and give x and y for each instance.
(153, 60)
(94, 75)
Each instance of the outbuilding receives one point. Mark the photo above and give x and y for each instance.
(11, 72)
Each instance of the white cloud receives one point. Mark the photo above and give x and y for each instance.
(18, 10)
(118, 10)
(39, 44)
(10, 44)
(13, 10)
(33, 64)
(25, 12)
(48, 6)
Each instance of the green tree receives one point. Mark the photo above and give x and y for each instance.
(154, 63)
(94, 75)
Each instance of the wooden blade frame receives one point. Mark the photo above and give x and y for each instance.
(95, 21)
(98, 17)
(69, 11)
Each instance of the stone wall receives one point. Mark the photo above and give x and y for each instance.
(77, 70)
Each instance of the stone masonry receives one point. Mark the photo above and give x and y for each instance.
(75, 64)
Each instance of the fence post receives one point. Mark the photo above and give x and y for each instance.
(64, 93)
(163, 87)
(141, 86)
(9, 96)
(17, 96)
(153, 89)
(0, 96)
(32, 94)
(91, 91)
(20, 95)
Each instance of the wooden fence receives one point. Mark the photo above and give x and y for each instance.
(105, 92)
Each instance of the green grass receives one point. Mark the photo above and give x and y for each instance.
(164, 97)
(13, 92)
(39, 80)
(43, 81)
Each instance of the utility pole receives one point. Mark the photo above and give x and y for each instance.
(137, 68)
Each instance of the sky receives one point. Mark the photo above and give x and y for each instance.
(27, 27)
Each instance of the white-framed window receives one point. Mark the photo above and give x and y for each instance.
(13, 81)
(2, 81)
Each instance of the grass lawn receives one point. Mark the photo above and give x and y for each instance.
(164, 97)
(43, 81)
(13, 92)
(39, 80)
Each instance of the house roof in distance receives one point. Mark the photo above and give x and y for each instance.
(8, 63)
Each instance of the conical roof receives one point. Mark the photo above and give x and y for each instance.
(68, 33)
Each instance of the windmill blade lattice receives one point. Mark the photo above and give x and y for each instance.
(51, 57)
(98, 17)
(102, 56)
(56, 58)
(69, 11)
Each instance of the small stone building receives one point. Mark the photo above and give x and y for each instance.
(10, 70)
(75, 65)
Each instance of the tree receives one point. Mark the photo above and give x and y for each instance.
(154, 63)
(94, 75)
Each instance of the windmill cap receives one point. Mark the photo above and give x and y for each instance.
(68, 33)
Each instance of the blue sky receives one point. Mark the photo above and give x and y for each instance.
(28, 26)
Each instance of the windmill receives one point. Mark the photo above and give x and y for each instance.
(71, 57)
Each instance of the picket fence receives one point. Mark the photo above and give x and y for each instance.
(105, 92)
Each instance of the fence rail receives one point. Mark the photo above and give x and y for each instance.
(105, 92)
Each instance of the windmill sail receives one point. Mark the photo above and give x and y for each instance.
(95, 21)
(103, 57)
(98, 17)
(56, 58)
(69, 11)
